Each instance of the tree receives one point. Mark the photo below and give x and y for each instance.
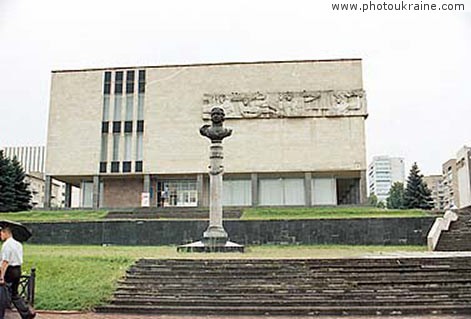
(14, 193)
(372, 200)
(396, 196)
(417, 194)
(21, 186)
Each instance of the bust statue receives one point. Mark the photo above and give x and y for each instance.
(215, 132)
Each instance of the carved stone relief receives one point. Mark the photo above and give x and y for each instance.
(287, 104)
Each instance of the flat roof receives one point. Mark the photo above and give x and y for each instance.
(206, 64)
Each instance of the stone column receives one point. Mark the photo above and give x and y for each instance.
(199, 189)
(96, 192)
(254, 178)
(215, 234)
(68, 195)
(47, 191)
(308, 189)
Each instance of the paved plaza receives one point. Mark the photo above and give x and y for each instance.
(91, 315)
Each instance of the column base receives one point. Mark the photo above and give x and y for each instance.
(203, 247)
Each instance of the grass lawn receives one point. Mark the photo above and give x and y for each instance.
(81, 277)
(329, 212)
(54, 215)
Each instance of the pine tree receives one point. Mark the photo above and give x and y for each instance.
(396, 196)
(22, 192)
(417, 194)
(7, 190)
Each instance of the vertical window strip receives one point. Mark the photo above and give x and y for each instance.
(142, 81)
(118, 84)
(117, 107)
(106, 108)
(129, 107)
(116, 141)
(107, 83)
(139, 142)
(140, 107)
(130, 82)
(104, 147)
(127, 146)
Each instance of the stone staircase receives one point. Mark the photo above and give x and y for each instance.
(388, 286)
(458, 237)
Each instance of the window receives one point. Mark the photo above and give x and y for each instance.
(102, 167)
(140, 126)
(116, 127)
(126, 167)
(105, 127)
(114, 167)
(128, 127)
(138, 166)
(142, 81)
(107, 83)
(118, 84)
(130, 82)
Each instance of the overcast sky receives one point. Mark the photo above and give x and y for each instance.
(416, 66)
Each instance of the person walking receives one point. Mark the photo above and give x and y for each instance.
(10, 272)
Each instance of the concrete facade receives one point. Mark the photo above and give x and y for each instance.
(275, 154)
(450, 184)
(463, 172)
(435, 184)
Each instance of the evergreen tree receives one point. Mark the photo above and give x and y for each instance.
(417, 194)
(21, 186)
(396, 196)
(7, 190)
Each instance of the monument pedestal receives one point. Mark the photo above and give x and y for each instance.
(215, 238)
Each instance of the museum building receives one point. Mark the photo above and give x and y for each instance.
(129, 137)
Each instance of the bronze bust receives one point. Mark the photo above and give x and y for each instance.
(215, 132)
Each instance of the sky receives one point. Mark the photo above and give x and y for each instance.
(416, 65)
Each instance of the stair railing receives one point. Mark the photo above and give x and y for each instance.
(440, 224)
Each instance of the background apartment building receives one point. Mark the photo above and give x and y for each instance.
(123, 134)
(33, 160)
(383, 172)
(435, 184)
(451, 193)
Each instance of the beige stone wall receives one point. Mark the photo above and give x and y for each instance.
(173, 116)
(122, 192)
(74, 130)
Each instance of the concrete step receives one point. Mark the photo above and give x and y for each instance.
(307, 310)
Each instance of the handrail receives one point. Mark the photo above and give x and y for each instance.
(440, 224)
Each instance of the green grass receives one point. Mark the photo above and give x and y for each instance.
(81, 277)
(54, 215)
(328, 212)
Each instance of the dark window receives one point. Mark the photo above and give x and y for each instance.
(118, 83)
(130, 82)
(140, 126)
(102, 167)
(116, 126)
(138, 166)
(126, 167)
(142, 81)
(114, 167)
(128, 126)
(107, 83)
(105, 127)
